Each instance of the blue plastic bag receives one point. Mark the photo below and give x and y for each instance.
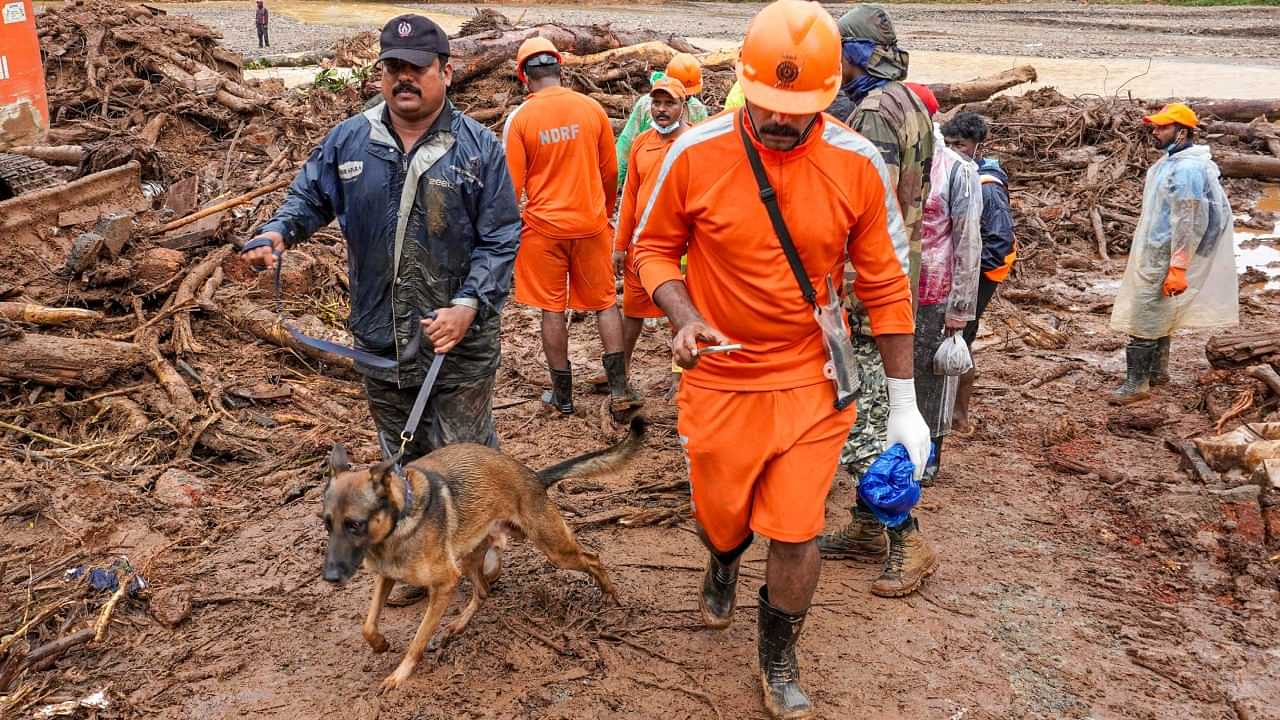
(889, 486)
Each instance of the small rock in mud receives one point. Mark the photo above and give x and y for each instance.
(179, 489)
(171, 606)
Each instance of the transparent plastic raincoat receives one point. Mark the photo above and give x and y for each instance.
(1186, 222)
(640, 120)
(950, 233)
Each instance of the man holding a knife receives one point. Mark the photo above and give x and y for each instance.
(761, 426)
(425, 202)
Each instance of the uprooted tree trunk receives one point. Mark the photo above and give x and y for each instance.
(53, 360)
(568, 39)
(1241, 165)
(189, 293)
(952, 94)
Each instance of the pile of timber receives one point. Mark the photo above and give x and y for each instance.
(1077, 165)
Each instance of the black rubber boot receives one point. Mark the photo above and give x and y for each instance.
(934, 464)
(561, 395)
(1160, 371)
(778, 633)
(720, 586)
(623, 401)
(1140, 356)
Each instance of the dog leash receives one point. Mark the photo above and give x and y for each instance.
(362, 356)
(377, 361)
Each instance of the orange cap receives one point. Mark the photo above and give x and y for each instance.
(790, 60)
(533, 47)
(685, 68)
(670, 86)
(1173, 113)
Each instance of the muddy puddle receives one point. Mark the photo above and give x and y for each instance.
(1258, 249)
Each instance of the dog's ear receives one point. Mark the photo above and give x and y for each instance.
(338, 461)
(380, 476)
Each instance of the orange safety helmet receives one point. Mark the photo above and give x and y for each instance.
(685, 68)
(531, 48)
(790, 59)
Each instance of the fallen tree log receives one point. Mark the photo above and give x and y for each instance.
(1236, 110)
(655, 53)
(266, 325)
(70, 362)
(1240, 165)
(304, 59)
(1242, 349)
(951, 94)
(578, 40)
(52, 154)
(41, 315)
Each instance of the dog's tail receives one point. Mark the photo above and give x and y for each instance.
(598, 461)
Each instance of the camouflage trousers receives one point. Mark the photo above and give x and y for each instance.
(455, 414)
(866, 439)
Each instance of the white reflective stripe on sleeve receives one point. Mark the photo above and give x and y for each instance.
(506, 126)
(846, 139)
(699, 133)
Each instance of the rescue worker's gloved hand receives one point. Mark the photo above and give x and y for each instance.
(684, 346)
(906, 425)
(264, 257)
(1175, 283)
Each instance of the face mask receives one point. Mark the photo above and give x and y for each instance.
(668, 129)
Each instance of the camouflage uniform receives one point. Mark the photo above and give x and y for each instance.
(895, 120)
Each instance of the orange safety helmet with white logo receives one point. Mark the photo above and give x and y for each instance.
(790, 60)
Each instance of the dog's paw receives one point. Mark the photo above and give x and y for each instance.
(395, 679)
(376, 641)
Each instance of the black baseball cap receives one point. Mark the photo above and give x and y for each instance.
(413, 39)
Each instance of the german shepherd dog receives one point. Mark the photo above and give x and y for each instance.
(438, 521)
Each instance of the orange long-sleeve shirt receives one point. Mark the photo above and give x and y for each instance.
(646, 156)
(559, 147)
(834, 193)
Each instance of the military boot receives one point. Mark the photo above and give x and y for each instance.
(1140, 357)
(777, 633)
(909, 562)
(720, 586)
(560, 396)
(1160, 371)
(862, 539)
(623, 401)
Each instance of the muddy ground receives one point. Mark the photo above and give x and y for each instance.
(1223, 34)
(1084, 574)
(1127, 591)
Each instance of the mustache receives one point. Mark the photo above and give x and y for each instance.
(778, 130)
(406, 88)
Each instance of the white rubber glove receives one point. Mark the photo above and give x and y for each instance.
(906, 424)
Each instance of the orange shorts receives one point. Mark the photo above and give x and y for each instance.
(636, 302)
(761, 461)
(558, 274)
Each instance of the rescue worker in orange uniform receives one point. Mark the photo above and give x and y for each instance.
(761, 426)
(560, 152)
(667, 107)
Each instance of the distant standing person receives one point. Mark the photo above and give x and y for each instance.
(560, 152)
(1181, 272)
(261, 20)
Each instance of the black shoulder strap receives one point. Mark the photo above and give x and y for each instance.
(770, 200)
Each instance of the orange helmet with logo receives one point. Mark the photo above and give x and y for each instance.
(685, 68)
(532, 48)
(790, 60)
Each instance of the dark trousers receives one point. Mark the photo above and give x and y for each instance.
(263, 39)
(986, 291)
(455, 414)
